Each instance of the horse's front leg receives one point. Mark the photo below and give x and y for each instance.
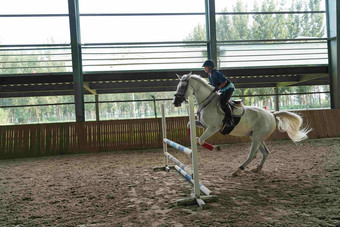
(198, 124)
(206, 134)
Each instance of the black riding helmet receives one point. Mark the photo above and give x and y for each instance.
(209, 63)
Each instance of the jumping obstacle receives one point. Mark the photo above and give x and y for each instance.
(185, 171)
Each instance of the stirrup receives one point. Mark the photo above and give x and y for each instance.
(228, 122)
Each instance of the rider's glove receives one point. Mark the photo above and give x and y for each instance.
(215, 89)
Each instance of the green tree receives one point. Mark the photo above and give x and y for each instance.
(224, 25)
(240, 27)
(313, 24)
(263, 24)
(4, 116)
(198, 34)
(267, 26)
(293, 21)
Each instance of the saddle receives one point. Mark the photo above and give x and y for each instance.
(237, 110)
(235, 106)
(235, 103)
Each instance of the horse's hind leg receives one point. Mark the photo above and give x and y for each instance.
(253, 150)
(265, 152)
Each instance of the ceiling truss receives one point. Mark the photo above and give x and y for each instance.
(53, 84)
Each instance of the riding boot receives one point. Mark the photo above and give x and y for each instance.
(229, 114)
(228, 117)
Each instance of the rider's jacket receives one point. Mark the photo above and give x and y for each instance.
(217, 78)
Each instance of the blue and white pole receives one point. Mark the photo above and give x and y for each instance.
(203, 189)
(177, 162)
(178, 146)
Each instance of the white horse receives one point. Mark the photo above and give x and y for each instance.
(255, 122)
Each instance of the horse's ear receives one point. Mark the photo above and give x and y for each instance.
(179, 77)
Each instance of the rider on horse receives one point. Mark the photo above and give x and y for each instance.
(226, 87)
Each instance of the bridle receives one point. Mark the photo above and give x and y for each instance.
(182, 89)
(181, 93)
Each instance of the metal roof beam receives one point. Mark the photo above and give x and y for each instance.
(302, 78)
(333, 44)
(87, 87)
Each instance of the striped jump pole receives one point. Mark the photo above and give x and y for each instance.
(203, 189)
(180, 164)
(178, 146)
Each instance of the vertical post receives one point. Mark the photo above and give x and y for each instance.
(165, 146)
(96, 97)
(77, 67)
(333, 43)
(194, 146)
(154, 105)
(277, 99)
(207, 27)
(210, 16)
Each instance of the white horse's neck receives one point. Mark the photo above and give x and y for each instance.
(201, 89)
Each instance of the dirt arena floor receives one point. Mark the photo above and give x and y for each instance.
(299, 186)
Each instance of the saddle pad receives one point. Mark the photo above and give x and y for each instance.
(227, 129)
(238, 111)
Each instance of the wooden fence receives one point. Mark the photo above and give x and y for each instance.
(70, 138)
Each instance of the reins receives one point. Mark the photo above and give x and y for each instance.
(194, 91)
(207, 98)
(205, 105)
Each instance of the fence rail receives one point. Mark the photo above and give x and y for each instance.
(72, 138)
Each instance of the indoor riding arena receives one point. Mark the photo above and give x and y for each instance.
(90, 135)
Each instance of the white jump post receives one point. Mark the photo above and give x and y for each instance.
(193, 143)
(190, 175)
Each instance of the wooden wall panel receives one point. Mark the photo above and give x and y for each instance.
(69, 138)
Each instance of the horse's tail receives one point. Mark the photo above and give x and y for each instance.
(291, 123)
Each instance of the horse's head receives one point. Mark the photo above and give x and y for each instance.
(183, 90)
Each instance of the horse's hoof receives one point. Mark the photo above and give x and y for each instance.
(218, 148)
(254, 170)
(257, 170)
(237, 173)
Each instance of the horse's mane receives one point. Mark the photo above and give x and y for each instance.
(200, 79)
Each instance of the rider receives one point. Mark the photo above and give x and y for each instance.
(226, 87)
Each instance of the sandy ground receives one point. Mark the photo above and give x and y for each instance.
(299, 186)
